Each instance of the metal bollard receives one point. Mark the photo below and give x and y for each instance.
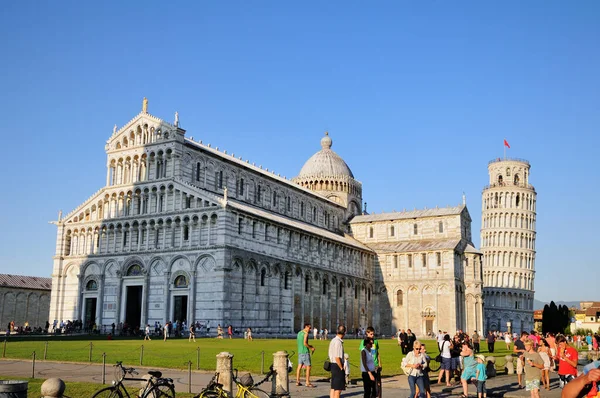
(281, 380)
(198, 358)
(33, 366)
(224, 367)
(4, 349)
(103, 368)
(262, 363)
(189, 377)
(45, 350)
(91, 345)
(142, 355)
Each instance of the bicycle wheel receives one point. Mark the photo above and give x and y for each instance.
(255, 393)
(108, 392)
(162, 390)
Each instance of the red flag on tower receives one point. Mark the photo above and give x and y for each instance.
(506, 144)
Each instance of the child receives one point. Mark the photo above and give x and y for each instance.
(544, 352)
(347, 368)
(533, 369)
(481, 377)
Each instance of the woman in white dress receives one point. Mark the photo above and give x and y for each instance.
(507, 340)
(544, 352)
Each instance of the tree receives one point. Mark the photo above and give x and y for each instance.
(556, 319)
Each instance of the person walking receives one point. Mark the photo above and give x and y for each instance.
(304, 351)
(533, 366)
(446, 365)
(166, 330)
(414, 363)
(518, 350)
(403, 343)
(481, 377)
(491, 339)
(370, 334)
(230, 332)
(336, 358)
(192, 336)
(476, 339)
(544, 352)
(367, 367)
(410, 340)
(147, 334)
(469, 368)
(567, 357)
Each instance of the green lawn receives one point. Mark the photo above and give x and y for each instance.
(176, 353)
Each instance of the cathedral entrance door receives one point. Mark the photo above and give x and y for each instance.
(180, 308)
(90, 312)
(133, 306)
(429, 326)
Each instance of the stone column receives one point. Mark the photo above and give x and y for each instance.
(281, 381)
(224, 366)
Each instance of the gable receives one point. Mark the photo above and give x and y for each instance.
(144, 129)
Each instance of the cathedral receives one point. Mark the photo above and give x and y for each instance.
(181, 230)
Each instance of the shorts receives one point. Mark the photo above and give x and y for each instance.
(532, 385)
(338, 378)
(519, 366)
(446, 364)
(481, 387)
(304, 359)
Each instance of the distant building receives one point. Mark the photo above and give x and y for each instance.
(588, 317)
(24, 299)
(537, 320)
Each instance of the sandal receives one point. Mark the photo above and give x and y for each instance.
(298, 384)
(311, 385)
(463, 396)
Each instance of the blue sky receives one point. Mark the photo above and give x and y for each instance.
(416, 96)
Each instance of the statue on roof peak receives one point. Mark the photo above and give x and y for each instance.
(145, 105)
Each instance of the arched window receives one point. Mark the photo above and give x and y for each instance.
(516, 179)
(241, 187)
(180, 282)
(307, 283)
(370, 232)
(415, 229)
(286, 280)
(399, 298)
(274, 198)
(441, 226)
(518, 199)
(508, 172)
(186, 232)
(500, 180)
(263, 275)
(369, 294)
(341, 292)
(325, 283)
(134, 270)
(91, 285)
(392, 231)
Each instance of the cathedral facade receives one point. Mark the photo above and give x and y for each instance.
(183, 231)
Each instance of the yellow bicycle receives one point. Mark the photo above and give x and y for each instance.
(246, 388)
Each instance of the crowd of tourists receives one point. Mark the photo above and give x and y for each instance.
(460, 361)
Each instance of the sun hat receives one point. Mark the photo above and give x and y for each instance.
(481, 357)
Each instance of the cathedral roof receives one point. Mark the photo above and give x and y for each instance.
(400, 215)
(298, 225)
(25, 282)
(325, 163)
(414, 245)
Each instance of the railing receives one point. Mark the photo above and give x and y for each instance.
(509, 184)
(508, 159)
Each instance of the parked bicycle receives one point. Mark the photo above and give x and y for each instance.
(245, 386)
(156, 386)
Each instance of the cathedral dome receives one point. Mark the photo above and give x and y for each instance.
(325, 163)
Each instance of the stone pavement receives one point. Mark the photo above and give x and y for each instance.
(395, 386)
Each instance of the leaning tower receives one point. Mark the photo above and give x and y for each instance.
(508, 246)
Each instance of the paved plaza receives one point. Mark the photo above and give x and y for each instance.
(396, 386)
